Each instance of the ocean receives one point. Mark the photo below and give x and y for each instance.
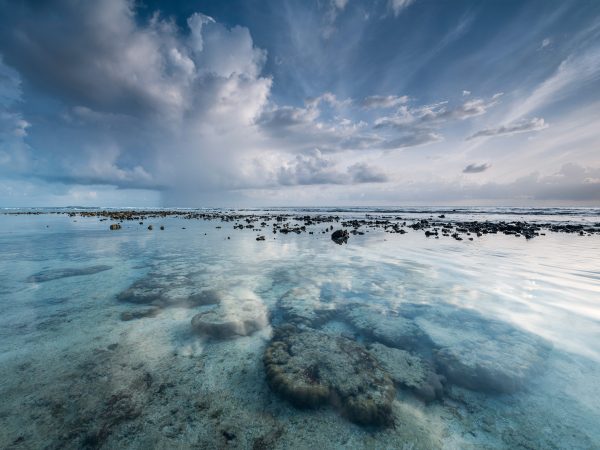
(251, 328)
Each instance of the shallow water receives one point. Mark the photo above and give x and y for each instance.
(509, 327)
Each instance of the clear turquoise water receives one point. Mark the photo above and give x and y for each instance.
(74, 375)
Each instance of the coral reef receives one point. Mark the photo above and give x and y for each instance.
(231, 319)
(409, 371)
(311, 368)
(386, 327)
(480, 353)
(303, 306)
(163, 290)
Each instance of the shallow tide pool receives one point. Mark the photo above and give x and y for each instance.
(388, 341)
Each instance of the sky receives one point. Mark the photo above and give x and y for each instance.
(288, 103)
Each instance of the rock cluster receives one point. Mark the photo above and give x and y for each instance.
(437, 227)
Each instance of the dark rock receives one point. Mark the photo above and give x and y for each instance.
(340, 237)
(115, 226)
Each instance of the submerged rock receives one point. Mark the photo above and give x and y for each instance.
(386, 327)
(163, 290)
(190, 297)
(139, 314)
(231, 319)
(483, 354)
(143, 291)
(304, 306)
(409, 371)
(340, 237)
(55, 274)
(311, 368)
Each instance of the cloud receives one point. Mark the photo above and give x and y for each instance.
(117, 95)
(397, 6)
(545, 43)
(412, 138)
(521, 126)
(144, 103)
(15, 154)
(574, 72)
(383, 101)
(303, 128)
(572, 182)
(333, 8)
(339, 4)
(421, 125)
(313, 168)
(435, 114)
(476, 168)
(364, 173)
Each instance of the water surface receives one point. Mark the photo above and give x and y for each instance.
(509, 327)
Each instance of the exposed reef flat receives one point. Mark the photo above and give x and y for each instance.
(434, 227)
